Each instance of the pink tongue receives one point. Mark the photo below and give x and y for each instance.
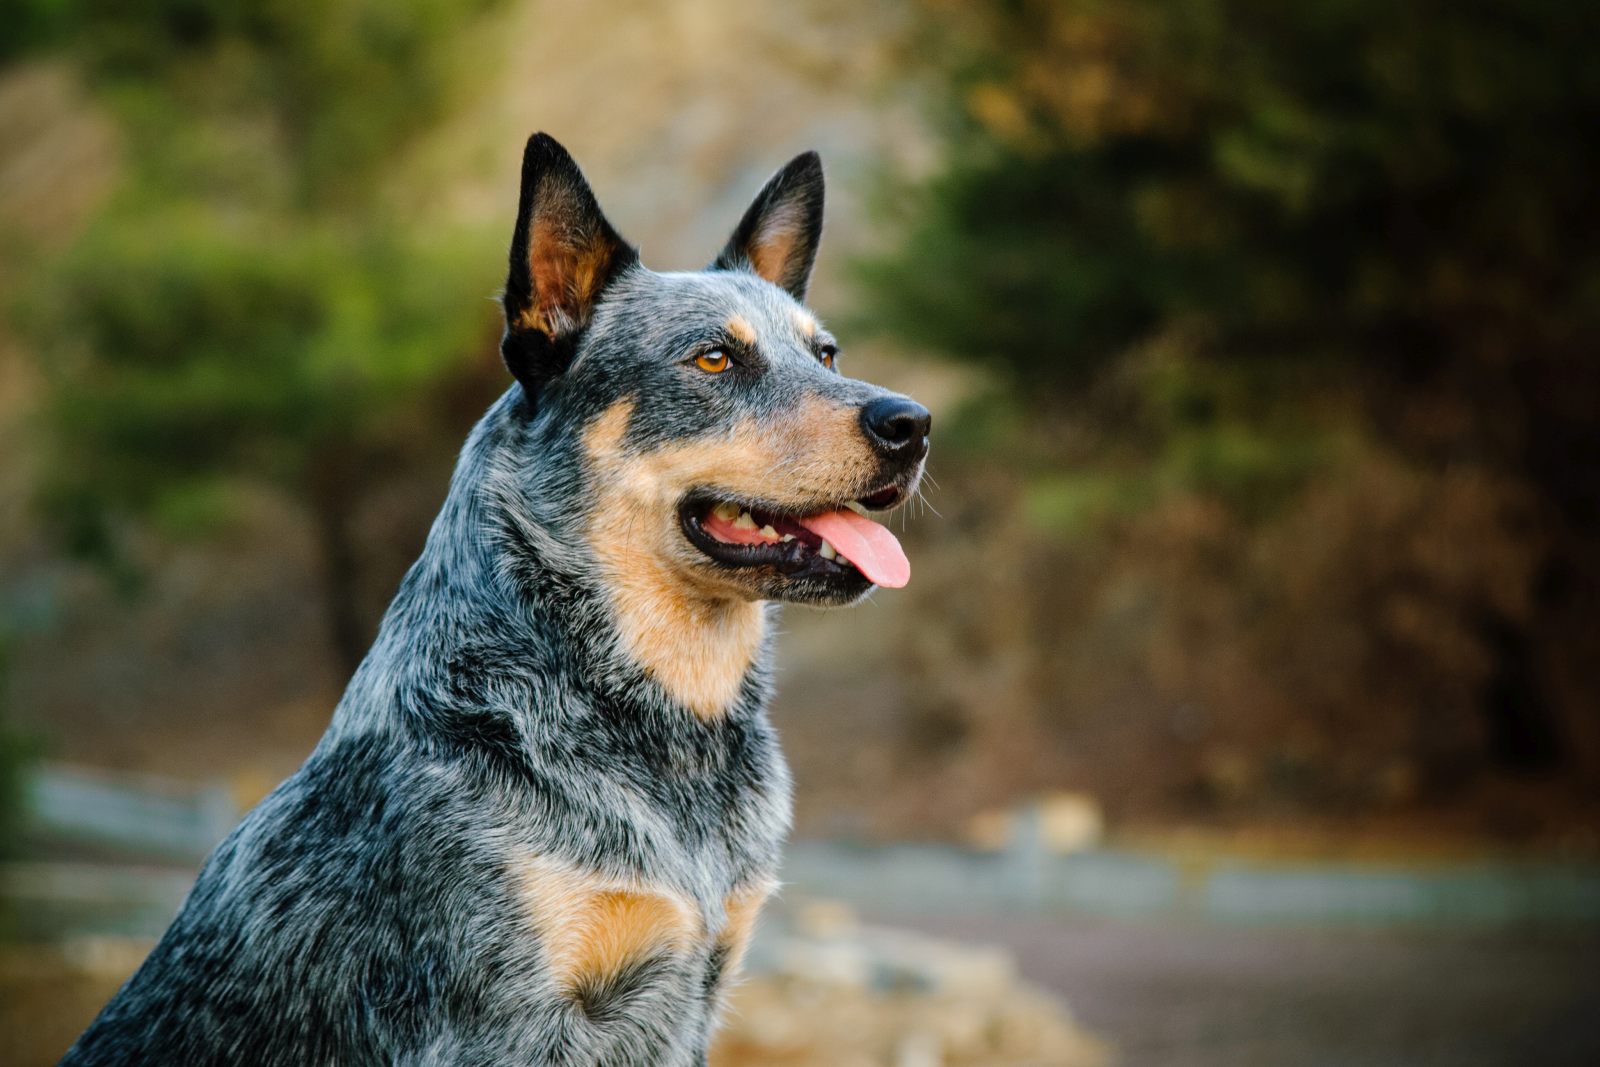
(871, 547)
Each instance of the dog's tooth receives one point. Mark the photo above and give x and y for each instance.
(855, 506)
(786, 538)
(828, 551)
(726, 512)
(745, 521)
(769, 533)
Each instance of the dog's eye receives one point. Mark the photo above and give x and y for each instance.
(712, 362)
(827, 357)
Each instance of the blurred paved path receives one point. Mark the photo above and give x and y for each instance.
(1190, 996)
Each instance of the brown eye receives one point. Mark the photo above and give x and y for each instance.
(827, 357)
(712, 362)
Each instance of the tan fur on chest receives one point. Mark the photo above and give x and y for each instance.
(592, 928)
(743, 907)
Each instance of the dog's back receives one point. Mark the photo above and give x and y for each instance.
(550, 805)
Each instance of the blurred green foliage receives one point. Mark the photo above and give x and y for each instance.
(250, 306)
(1340, 193)
(220, 93)
(1287, 318)
(1287, 315)
(192, 356)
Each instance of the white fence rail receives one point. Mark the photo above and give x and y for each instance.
(144, 837)
(144, 815)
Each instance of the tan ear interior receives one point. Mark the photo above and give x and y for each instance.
(567, 262)
(772, 248)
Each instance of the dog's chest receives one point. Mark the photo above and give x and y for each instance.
(602, 938)
(648, 889)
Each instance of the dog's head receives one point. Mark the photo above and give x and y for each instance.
(723, 450)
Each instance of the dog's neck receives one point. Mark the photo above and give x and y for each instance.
(699, 650)
(497, 617)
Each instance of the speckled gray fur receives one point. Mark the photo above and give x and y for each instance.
(368, 910)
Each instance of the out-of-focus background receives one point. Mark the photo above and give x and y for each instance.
(1244, 707)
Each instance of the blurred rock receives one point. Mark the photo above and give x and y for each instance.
(1058, 822)
(830, 992)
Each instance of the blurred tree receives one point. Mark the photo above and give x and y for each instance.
(248, 307)
(1202, 225)
(17, 751)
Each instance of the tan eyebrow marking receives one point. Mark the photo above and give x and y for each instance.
(805, 322)
(741, 329)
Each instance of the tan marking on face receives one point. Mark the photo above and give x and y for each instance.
(743, 908)
(691, 630)
(739, 327)
(591, 927)
(805, 322)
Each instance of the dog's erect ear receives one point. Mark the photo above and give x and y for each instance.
(563, 255)
(778, 236)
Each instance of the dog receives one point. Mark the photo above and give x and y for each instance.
(550, 805)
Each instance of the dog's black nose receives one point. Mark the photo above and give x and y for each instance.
(896, 425)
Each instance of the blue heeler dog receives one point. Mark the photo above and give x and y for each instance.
(550, 804)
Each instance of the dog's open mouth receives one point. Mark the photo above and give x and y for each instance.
(840, 543)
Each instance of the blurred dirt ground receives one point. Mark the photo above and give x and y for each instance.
(1176, 995)
(841, 997)
(1153, 994)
